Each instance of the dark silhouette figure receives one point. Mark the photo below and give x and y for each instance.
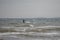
(23, 21)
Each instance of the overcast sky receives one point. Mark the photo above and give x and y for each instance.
(29, 8)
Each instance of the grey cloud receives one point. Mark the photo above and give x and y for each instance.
(29, 8)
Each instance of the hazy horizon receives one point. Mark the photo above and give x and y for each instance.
(29, 8)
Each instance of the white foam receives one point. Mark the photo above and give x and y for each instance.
(48, 27)
(32, 25)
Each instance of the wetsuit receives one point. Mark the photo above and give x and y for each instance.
(23, 21)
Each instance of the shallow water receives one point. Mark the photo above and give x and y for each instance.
(31, 33)
(41, 30)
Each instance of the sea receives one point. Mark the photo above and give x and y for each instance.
(29, 28)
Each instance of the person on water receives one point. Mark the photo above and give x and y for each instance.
(23, 21)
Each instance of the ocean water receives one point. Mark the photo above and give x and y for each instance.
(30, 29)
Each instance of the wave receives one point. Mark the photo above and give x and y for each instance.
(54, 34)
(32, 31)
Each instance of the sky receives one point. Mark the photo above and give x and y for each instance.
(29, 8)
